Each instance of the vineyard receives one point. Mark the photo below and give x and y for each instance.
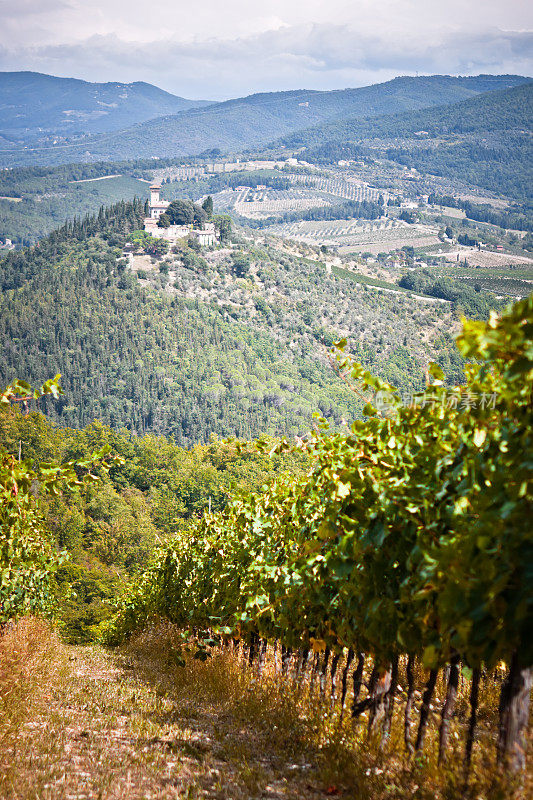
(392, 581)
(349, 189)
(263, 202)
(380, 236)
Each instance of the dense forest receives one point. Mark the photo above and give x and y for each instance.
(503, 110)
(109, 526)
(230, 341)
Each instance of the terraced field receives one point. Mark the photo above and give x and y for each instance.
(350, 188)
(382, 235)
(260, 203)
(310, 191)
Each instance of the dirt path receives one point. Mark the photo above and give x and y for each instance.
(111, 727)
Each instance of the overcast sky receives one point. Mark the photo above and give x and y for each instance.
(217, 49)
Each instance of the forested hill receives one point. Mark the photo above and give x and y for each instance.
(485, 140)
(227, 342)
(33, 104)
(252, 121)
(502, 110)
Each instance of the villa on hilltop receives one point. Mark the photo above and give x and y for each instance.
(205, 237)
(157, 206)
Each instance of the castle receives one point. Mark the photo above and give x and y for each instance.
(205, 237)
(157, 206)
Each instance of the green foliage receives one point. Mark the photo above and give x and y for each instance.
(139, 239)
(466, 240)
(106, 530)
(157, 247)
(164, 221)
(463, 297)
(28, 558)
(223, 226)
(207, 206)
(516, 218)
(410, 534)
(241, 263)
(185, 212)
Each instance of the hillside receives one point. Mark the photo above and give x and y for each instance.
(229, 342)
(258, 119)
(36, 200)
(484, 140)
(504, 109)
(33, 105)
(342, 592)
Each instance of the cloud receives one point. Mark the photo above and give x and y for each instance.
(288, 56)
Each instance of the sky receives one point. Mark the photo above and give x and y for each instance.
(218, 49)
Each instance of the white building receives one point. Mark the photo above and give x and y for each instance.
(205, 237)
(157, 206)
(171, 234)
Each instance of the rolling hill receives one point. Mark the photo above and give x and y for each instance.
(187, 346)
(504, 109)
(485, 140)
(258, 119)
(33, 104)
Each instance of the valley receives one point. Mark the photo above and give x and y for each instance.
(265, 440)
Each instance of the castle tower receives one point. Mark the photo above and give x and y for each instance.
(157, 206)
(155, 188)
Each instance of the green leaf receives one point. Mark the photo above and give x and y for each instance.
(480, 434)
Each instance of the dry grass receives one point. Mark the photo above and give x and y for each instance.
(287, 736)
(28, 666)
(87, 723)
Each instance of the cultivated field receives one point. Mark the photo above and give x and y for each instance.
(376, 236)
(260, 203)
(350, 188)
(488, 258)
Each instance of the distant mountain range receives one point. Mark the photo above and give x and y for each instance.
(496, 110)
(33, 104)
(484, 141)
(254, 121)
